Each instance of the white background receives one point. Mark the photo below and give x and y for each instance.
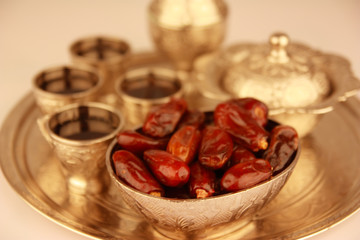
(35, 34)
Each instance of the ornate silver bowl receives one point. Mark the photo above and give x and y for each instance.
(200, 218)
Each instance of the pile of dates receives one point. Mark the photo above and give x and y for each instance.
(180, 153)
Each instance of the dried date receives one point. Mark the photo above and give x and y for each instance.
(184, 143)
(244, 129)
(138, 143)
(257, 109)
(194, 118)
(245, 175)
(167, 168)
(239, 155)
(216, 147)
(163, 120)
(283, 143)
(202, 181)
(133, 171)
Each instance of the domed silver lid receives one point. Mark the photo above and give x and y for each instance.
(288, 77)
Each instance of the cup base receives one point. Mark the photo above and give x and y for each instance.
(84, 186)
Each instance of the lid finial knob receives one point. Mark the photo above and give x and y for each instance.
(278, 42)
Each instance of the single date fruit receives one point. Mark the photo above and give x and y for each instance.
(245, 175)
(194, 118)
(257, 109)
(184, 143)
(170, 170)
(133, 171)
(216, 147)
(202, 181)
(244, 129)
(138, 143)
(163, 120)
(239, 155)
(283, 143)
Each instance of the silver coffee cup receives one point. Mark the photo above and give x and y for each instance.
(79, 135)
(58, 86)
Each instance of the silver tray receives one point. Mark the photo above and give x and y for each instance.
(323, 190)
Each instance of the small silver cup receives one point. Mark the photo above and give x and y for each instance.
(108, 55)
(80, 135)
(58, 86)
(140, 89)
